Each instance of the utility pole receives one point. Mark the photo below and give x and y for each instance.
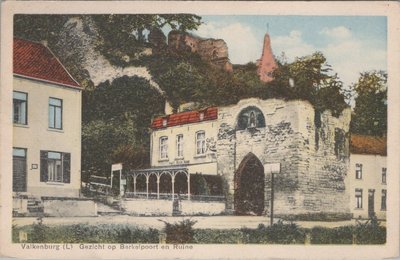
(272, 168)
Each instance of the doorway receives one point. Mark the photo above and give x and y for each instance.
(249, 187)
(371, 202)
(19, 170)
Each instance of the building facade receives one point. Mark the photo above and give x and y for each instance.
(367, 178)
(232, 148)
(47, 124)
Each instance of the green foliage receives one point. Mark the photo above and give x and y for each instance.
(370, 232)
(370, 112)
(124, 35)
(279, 233)
(84, 233)
(116, 117)
(218, 236)
(39, 27)
(310, 78)
(180, 232)
(199, 185)
(339, 235)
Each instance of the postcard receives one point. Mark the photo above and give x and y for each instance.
(199, 130)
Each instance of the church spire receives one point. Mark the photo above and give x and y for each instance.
(266, 64)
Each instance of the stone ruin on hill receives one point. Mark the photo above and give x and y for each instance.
(214, 51)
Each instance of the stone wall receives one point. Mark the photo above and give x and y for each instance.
(311, 179)
(147, 207)
(164, 207)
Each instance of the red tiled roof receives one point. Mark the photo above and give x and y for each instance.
(34, 60)
(364, 144)
(183, 118)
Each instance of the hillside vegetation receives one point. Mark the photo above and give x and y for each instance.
(127, 78)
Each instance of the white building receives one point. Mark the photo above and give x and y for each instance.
(367, 178)
(47, 124)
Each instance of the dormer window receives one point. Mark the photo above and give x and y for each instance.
(201, 116)
(164, 122)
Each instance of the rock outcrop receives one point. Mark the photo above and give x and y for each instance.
(77, 43)
(214, 51)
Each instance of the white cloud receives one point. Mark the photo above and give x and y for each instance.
(292, 45)
(339, 32)
(349, 56)
(243, 45)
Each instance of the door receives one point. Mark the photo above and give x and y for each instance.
(249, 187)
(371, 202)
(19, 170)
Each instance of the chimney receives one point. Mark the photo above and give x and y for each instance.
(168, 108)
(45, 43)
(266, 64)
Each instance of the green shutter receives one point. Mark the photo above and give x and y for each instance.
(43, 166)
(66, 167)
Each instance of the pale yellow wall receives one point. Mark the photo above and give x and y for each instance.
(36, 135)
(207, 162)
(371, 179)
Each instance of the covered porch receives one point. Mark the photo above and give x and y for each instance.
(172, 183)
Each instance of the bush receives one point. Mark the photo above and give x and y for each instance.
(340, 235)
(179, 233)
(217, 236)
(370, 233)
(84, 233)
(281, 233)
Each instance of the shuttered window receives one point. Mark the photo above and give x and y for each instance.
(55, 167)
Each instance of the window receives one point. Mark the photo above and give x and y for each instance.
(179, 146)
(383, 200)
(55, 113)
(19, 152)
(384, 175)
(164, 147)
(200, 143)
(359, 198)
(20, 105)
(55, 166)
(250, 117)
(358, 171)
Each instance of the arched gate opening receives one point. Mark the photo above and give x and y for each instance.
(249, 187)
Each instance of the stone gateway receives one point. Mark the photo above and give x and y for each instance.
(221, 151)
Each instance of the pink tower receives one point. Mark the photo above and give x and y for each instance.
(266, 64)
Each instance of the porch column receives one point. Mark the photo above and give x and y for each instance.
(134, 184)
(173, 185)
(188, 181)
(158, 186)
(147, 185)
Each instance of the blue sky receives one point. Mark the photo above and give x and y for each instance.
(351, 44)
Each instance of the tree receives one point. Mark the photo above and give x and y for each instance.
(124, 34)
(116, 120)
(370, 111)
(309, 78)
